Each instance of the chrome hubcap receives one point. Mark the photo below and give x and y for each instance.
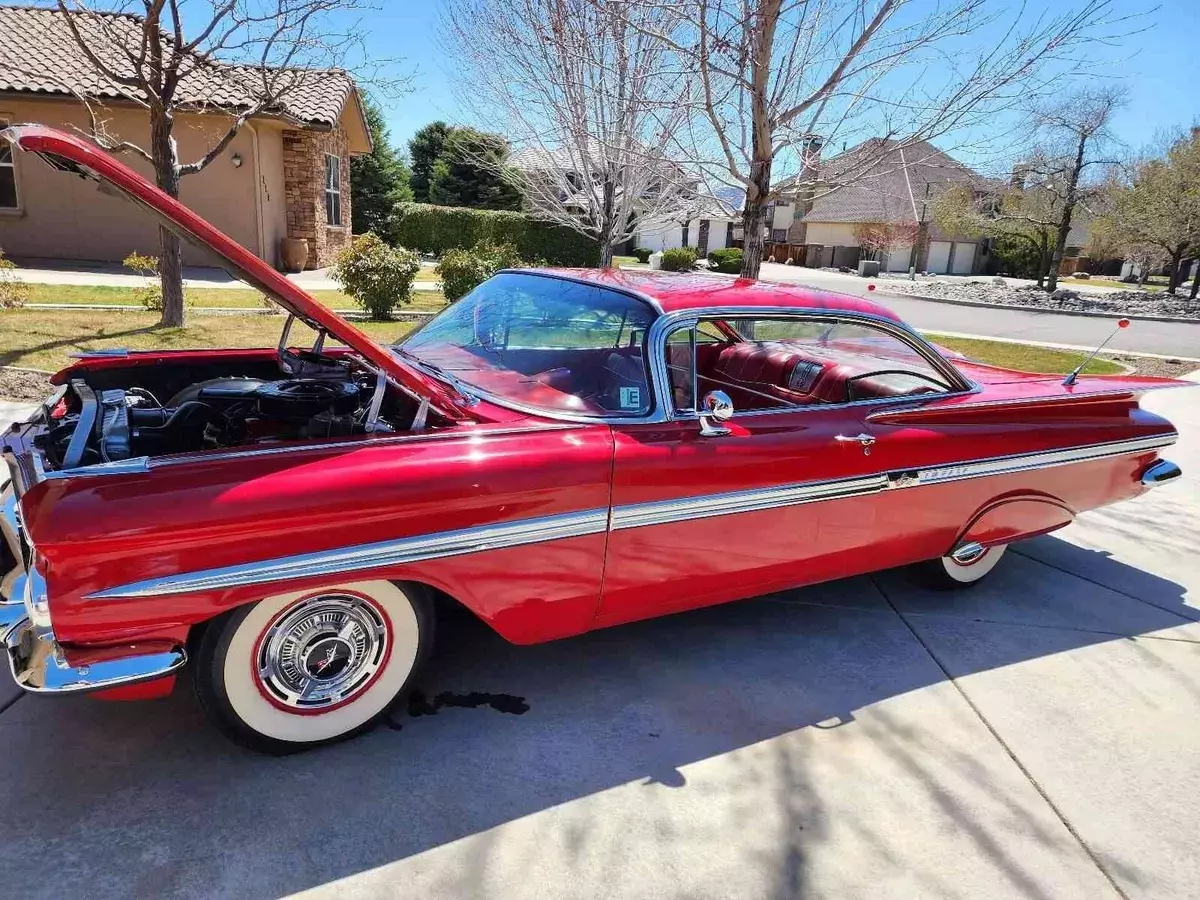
(322, 652)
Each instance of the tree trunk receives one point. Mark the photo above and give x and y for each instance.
(1195, 282)
(1064, 224)
(1173, 275)
(170, 261)
(606, 249)
(754, 218)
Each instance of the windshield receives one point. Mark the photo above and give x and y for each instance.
(552, 344)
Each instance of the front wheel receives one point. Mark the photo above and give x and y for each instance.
(950, 574)
(302, 669)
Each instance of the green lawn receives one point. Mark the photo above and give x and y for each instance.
(45, 339)
(619, 261)
(200, 297)
(1107, 282)
(1024, 357)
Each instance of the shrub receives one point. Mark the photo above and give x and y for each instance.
(462, 270)
(726, 259)
(13, 292)
(436, 229)
(377, 276)
(642, 254)
(678, 259)
(149, 295)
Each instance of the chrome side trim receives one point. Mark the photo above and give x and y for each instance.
(663, 512)
(1004, 465)
(370, 556)
(1161, 472)
(39, 666)
(548, 528)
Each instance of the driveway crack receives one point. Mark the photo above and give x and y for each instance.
(1004, 745)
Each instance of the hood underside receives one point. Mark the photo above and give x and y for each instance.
(73, 155)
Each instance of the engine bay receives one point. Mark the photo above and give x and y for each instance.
(114, 413)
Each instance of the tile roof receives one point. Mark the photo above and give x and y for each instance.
(38, 55)
(887, 181)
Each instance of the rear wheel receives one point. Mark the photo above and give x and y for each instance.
(307, 668)
(950, 574)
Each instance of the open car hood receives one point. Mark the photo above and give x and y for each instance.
(72, 154)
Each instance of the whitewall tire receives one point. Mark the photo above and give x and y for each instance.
(948, 574)
(305, 668)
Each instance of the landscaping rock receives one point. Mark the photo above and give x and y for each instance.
(1115, 303)
(23, 385)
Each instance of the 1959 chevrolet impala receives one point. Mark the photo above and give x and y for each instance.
(559, 451)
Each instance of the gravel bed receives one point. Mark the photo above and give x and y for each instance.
(23, 386)
(1117, 303)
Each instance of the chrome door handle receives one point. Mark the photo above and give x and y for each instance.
(866, 440)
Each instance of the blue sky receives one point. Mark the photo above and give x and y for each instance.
(1159, 66)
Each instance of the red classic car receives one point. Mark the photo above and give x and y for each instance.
(559, 451)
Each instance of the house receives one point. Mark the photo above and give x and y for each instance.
(705, 222)
(882, 188)
(700, 220)
(285, 174)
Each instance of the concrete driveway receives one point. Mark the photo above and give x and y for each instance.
(1037, 737)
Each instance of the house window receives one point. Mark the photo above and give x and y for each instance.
(779, 235)
(333, 189)
(8, 175)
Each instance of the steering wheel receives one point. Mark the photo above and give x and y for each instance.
(905, 372)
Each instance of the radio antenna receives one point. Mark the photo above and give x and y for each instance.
(1070, 379)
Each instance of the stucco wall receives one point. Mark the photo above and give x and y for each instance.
(832, 234)
(66, 217)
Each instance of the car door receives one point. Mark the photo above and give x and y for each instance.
(704, 512)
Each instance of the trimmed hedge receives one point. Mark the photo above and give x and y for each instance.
(642, 254)
(462, 271)
(726, 259)
(436, 229)
(678, 259)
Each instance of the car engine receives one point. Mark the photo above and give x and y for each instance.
(113, 424)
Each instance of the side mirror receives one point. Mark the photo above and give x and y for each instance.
(715, 407)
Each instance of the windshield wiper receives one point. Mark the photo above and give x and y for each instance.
(437, 372)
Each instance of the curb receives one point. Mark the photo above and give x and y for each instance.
(1037, 309)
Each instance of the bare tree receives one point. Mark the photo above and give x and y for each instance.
(1156, 206)
(876, 238)
(587, 96)
(774, 74)
(242, 58)
(1074, 129)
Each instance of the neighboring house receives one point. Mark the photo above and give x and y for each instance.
(286, 173)
(706, 222)
(702, 221)
(887, 183)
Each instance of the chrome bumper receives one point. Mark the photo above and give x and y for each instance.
(37, 661)
(1160, 473)
(39, 665)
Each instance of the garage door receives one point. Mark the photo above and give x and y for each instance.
(898, 260)
(659, 238)
(939, 257)
(964, 258)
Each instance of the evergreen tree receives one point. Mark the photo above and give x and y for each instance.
(467, 172)
(424, 150)
(378, 180)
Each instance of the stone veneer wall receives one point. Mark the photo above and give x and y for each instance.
(304, 190)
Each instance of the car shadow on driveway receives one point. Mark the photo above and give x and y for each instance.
(147, 800)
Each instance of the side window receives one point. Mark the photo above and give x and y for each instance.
(683, 345)
(778, 363)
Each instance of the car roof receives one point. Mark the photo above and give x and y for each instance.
(674, 292)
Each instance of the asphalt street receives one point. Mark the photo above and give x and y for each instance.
(1036, 737)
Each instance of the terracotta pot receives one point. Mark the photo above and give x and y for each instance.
(293, 254)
